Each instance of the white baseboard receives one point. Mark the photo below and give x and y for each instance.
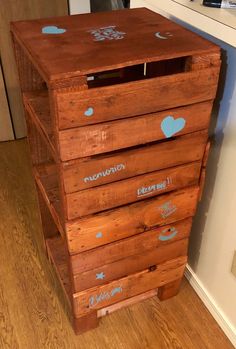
(211, 305)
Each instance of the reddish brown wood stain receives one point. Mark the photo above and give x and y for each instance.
(118, 153)
(82, 55)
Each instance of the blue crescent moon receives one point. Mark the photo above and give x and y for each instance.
(159, 36)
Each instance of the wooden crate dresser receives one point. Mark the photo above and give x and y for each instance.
(117, 107)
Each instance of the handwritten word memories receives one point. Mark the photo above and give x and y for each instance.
(105, 173)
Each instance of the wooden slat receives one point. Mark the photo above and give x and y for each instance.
(6, 130)
(58, 256)
(48, 187)
(130, 246)
(201, 183)
(130, 190)
(113, 225)
(86, 173)
(48, 227)
(206, 154)
(84, 55)
(126, 303)
(130, 265)
(102, 296)
(16, 10)
(40, 116)
(106, 137)
(136, 98)
(197, 62)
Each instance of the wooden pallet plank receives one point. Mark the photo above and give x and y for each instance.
(126, 303)
(131, 190)
(110, 136)
(126, 266)
(130, 246)
(99, 297)
(136, 98)
(98, 170)
(113, 225)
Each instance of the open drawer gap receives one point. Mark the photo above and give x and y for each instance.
(137, 72)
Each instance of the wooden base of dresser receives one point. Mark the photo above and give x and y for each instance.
(137, 287)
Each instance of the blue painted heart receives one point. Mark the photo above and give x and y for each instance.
(89, 112)
(52, 29)
(99, 235)
(171, 126)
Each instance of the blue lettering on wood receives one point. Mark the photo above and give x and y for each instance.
(94, 300)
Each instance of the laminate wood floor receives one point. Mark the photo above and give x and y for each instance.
(32, 314)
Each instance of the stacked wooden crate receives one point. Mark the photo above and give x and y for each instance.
(118, 108)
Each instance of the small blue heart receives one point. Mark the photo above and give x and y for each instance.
(170, 126)
(99, 235)
(52, 29)
(89, 112)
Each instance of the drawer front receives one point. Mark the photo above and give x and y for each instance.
(82, 174)
(118, 290)
(131, 246)
(110, 136)
(131, 190)
(103, 228)
(79, 108)
(130, 265)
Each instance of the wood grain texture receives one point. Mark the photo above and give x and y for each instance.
(132, 285)
(114, 53)
(13, 10)
(136, 98)
(94, 171)
(39, 112)
(127, 266)
(126, 303)
(32, 306)
(88, 276)
(6, 130)
(169, 290)
(115, 135)
(129, 220)
(130, 246)
(131, 190)
(196, 62)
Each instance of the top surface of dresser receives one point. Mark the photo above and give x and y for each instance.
(70, 46)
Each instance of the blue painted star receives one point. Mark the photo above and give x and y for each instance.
(100, 276)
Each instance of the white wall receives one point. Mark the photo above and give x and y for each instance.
(213, 237)
(79, 6)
